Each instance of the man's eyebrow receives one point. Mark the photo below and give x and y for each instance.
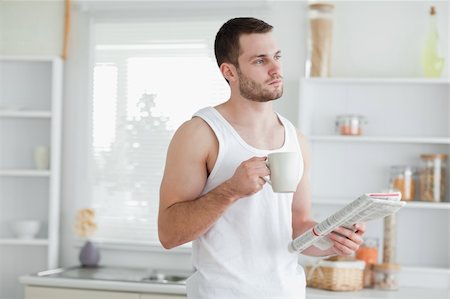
(264, 55)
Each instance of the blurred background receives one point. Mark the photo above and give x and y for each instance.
(92, 91)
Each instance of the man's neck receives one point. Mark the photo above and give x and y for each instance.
(243, 112)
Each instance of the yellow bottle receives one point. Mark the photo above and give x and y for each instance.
(432, 62)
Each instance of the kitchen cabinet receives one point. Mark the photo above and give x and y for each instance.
(37, 292)
(30, 121)
(405, 118)
(161, 296)
(33, 292)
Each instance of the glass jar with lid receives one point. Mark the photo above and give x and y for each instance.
(385, 276)
(403, 179)
(350, 124)
(320, 39)
(433, 177)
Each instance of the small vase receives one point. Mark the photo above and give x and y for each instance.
(89, 255)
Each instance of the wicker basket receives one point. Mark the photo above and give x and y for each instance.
(336, 276)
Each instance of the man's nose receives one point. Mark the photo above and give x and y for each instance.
(275, 68)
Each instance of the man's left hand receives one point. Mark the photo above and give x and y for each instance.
(347, 241)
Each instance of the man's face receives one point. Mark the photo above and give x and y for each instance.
(259, 71)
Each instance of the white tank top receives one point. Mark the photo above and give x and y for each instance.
(245, 253)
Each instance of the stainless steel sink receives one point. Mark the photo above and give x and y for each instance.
(119, 274)
(164, 278)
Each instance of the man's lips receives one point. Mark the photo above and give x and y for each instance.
(276, 82)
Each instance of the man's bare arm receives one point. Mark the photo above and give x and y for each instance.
(184, 214)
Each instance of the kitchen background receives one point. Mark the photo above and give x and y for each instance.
(376, 71)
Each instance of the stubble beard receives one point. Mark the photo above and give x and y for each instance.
(253, 91)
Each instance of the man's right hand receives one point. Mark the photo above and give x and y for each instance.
(248, 177)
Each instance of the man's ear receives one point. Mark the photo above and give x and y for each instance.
(229, 71)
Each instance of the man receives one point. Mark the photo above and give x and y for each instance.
(213, 191)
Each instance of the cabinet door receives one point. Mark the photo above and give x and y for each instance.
(162, 296)
(58, 293)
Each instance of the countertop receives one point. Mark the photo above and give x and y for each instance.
(146, 287)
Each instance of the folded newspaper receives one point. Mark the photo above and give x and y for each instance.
(367, 207)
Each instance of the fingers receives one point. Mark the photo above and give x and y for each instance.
(264, 158)
(360, 228)
(256, 166)
(345, 240)
(248, 177)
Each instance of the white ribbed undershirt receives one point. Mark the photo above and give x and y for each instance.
(245, 253)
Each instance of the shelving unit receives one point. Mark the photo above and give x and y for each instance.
(30, 116)
(415, 120)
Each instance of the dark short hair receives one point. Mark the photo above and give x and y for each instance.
(226, 45)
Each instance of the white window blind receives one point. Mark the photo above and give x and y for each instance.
(148, 78)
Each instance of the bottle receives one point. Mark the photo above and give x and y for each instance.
(320, 39)
(432, 60)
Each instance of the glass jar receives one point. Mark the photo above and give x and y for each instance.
(433, 177)
(350, 124)
(368, 252)
(385, 276)
(403, 179)
(320, 39)
(389, 239)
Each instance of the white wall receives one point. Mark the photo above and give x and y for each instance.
(31, 27)
(384, 39)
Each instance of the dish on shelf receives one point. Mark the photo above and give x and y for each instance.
(25, 229)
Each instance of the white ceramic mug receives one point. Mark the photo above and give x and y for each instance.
(284, 171)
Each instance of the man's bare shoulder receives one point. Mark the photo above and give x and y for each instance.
(194, 133)
(195, 128)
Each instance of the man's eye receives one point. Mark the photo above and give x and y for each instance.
(278, 57)
(259, 61)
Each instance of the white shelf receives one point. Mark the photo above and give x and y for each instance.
(346, 80)
(409, 205)
(25, 172)
(31, 116)
(28, 242)
(25, 113)
(428, 205)
(381, 139)
(29, 58)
